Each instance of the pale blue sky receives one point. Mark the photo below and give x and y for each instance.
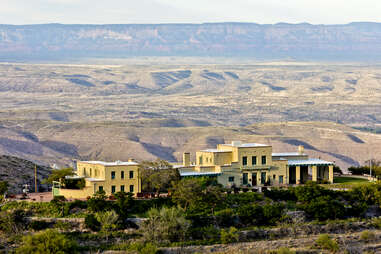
(188, 11)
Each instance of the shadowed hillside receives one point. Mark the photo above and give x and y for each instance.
(17, 171)
(149, 139)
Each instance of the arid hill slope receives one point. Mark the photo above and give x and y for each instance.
(61, 143)
(216, 95)
(17, 171)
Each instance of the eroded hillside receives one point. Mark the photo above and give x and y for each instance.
(57, 113)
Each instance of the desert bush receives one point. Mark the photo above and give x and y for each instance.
(92, 223)
(42, 209)
(165, 225)
(3, 187)
(49, 242)
(251, 214)
(208, 234)
(376, 222)
(13, 221)
(38, 225)
(63, 225)
(108, 221)
(140, 247)
(282, 250)
(367, 235)
(229, 236)
(224, 217)
(280, 194)
(97, 202)
(327, 243)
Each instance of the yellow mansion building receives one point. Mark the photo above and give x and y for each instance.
(110, 177)
(251, 164)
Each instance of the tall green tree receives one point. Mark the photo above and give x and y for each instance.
(59, 175)
(197, 194)
(157, 176)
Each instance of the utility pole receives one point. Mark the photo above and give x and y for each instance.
(35, 179)
(370, 168)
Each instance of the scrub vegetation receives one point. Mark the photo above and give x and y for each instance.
(198, 212)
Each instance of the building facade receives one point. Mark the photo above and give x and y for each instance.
(250, 164)
(110, 177)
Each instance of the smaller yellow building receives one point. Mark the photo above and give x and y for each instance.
(110, 177)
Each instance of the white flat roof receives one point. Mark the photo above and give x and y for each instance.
(247, 145)
(195, 173)
(115, 163)
(94, 179)
(288, 154)
(216, 151)
(311, 161)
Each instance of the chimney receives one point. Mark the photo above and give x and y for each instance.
(130, 160)
(186, 159)
(236, 143)
(301, 150)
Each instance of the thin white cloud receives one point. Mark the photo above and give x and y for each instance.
(194, 11)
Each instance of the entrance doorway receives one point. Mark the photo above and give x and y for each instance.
(245, 179)
(292, 175)
(254, 179)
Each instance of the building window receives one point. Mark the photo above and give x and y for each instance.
(244, 160)
(131, 188)
(100, 188)
(264, 160)
(112, 174)
(90, 171)
(122, 175)
(280, 179)
(113, 189)
(200, 160)
(131, 174)
(122, 188)
(231, 179)
(274, 176)
(254, 160)
(263, 177)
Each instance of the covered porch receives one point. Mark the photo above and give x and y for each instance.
(301, 171)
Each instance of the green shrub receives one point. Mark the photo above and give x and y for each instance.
(63, 225)
(92, 223)
(41, 209)
(224, 217)
(209, 234)
(165, 225)
(38, 225)
(142, 248)
(366, 235)
(49, 242)
(13, 221)
(229, 236)
(376, 222)
(251, 214)
(282, 250)
(97, 203)
(327, 243)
